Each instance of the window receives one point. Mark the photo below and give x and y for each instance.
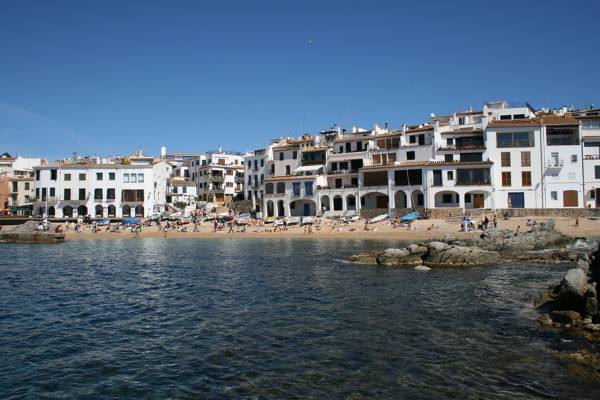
(412, 139)
(450, 142)
(410, 155)
(506, 179)
(296, 188)
(52, 192)
(505, 159)
(133, 178)
(281, 156)
(175, 189)
(269, 188)
(461, 120)
(272, 169)
(110, 194)
(562, 136)
(111, 176)
(81, 194)
(448, 157)
(348, 147)
(554, 195)
(447, 198)
(262, 178)
(437, 177)
(26, 185)
(37, 175)
(295, 155)
(82, 177)
(132, 195)
(280, 187)
(450, 175)
(525, 159)
(184, 190)
(308, 188)
(97, 194)
(52, 174)
(471, 156)
(573, 157)
(262, 162)
(99, 176)
(126, 178)
(408, 177)
(376, 178)
(140, 178)
(67, 177)
(597, 172)
(514, 139)
(525, 178)
(66, 194)
(287, 170)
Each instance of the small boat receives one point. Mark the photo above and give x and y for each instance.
(378, 218)
(103, 222)
(306, 221)
(293, 221)
(130, 221)
(269, 220)
(184, 220)
(278, 222)
(410, 217)
(242, 220)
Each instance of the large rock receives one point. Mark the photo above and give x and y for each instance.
(594, 269)
(364, 258)
(566, 317)
(590, 307)
(572, 289)
(401, 257)
(441, 254)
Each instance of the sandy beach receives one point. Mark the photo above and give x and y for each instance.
(422, 230)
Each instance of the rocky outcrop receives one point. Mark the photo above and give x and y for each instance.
(432, 254)
(573, 305)
(541, 237)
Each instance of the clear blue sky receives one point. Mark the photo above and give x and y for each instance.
(108, 77)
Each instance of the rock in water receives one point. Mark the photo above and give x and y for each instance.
(364, 258)
(441, 254)
(572, 289)
(422, 268)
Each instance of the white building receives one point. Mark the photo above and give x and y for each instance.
(136, 186)
(219, 176)
(16, 185)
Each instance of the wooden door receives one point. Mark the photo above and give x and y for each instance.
(382, 202)
(477, 200)
(570, 198)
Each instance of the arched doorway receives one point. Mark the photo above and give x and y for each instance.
(447, 199)
(374, 200)
(67, 212)
(303, 208)
(51, 211)
(350, 202)
(112, 211)
(270, 209)
(139, 211)
(400, 199)
(126, 211)
(82, 210)
(99, 211)
(325, 203)
(338, 203)
(280, 208)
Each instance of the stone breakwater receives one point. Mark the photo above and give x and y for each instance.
(543, 243)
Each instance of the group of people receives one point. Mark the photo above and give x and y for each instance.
(467, 224)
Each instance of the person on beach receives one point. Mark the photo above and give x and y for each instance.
(576, 223)
(215, 225)
(230, 228)
(486, 223)
(518, 230)
(495, 221)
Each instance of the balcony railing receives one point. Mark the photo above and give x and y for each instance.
(474, 182)
(465, 147)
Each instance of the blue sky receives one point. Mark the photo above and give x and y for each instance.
(108, 77)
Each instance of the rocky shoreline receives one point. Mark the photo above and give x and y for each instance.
(543, 243)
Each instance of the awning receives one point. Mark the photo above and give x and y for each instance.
(309, 168)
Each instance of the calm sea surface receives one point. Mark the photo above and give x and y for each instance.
(272, 319)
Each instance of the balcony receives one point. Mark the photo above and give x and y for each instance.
(343, 172)
(473, 182)
(554, 164)
(217, 178)
(347, 156)
(462, 148)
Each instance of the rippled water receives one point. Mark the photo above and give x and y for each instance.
(152, 318)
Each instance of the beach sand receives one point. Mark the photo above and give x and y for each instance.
(330, 230)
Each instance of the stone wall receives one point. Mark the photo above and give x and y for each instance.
(444, 213)
(549, 212)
